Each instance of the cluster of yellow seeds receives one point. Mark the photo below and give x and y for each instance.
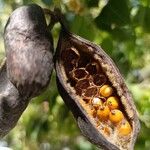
(110, 110)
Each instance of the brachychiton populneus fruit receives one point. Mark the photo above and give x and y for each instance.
(12, 104)
(93, 88)
(29, 47)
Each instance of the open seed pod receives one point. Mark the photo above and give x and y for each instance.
(94, 90)
(29, 46)
(12, 104)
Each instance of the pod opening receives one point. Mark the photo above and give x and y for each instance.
(98, 96)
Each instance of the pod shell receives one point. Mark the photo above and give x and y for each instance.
(29, 50)
(71, 99)
(12, 104)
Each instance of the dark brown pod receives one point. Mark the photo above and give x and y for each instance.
(110, 125)
(29, 46)
(12, 104)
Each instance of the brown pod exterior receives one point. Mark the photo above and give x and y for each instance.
(72, 96)
(29, 46)
(12, 104)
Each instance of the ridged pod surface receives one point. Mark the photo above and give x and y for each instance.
(94, 90)
(29, 46)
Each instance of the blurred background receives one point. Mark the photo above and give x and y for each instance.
(122, 28)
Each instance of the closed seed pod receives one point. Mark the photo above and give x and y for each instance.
(12, 104)
(29, 46)
(86, 122)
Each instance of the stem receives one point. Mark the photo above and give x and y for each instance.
(56, 16)
(53, 19)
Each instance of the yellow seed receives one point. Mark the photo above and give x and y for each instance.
(115, 116)
(103, 112)
(112, 102)
(125, 128)
(106, 90)
(96, 102)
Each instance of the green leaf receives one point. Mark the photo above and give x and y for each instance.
(83, 26)
(122, 33)
(47, 2)
(114, 14)
(91, 3)
(107, 45)
(142, 18)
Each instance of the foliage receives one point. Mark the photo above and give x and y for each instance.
(122, 28)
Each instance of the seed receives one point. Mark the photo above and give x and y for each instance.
(125, 128)
(103, 112)
(112, 102)
(115, 116)
(106, 90)
(96, 102)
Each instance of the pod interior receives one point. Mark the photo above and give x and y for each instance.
(90, 74)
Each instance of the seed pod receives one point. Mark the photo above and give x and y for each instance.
(28, 45)
(12, 104)
(106, 72)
